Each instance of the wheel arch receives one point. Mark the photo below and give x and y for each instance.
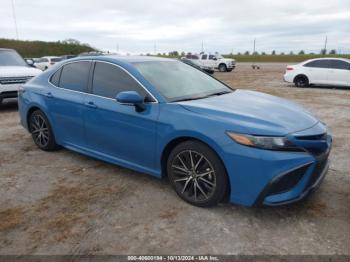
(30, 112)
(301, 75)
(176, 141)
(35, 107)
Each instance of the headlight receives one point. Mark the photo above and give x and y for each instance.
(264, 142)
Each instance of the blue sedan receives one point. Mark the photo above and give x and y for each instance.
(168, 119)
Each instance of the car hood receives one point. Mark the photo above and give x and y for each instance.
(227, 60)
(14, 71)
(254, 113)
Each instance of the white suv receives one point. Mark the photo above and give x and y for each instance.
(45, 62)
(319, 71)
(14, 72)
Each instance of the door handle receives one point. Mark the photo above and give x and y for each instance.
(49, 95)
(91, 104)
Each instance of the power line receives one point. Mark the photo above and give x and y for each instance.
(14, 17)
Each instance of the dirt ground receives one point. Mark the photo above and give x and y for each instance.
(66, 203)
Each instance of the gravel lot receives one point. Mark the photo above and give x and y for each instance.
(66, 203)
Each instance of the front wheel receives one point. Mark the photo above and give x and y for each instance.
(197, 174)
(222, 68)
(41, 131)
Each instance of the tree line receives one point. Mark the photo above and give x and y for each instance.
(41, 48)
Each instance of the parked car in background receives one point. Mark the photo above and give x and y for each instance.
(92, 53)
(46, 62)
(196, 64)
(214, 60)
(65, 57)
(167, 119)
(14, 72)
(319, 71)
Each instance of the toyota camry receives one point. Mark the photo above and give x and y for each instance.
(168, 119)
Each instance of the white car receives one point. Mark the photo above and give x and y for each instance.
(45, 62)
(319, 71)
(14, 72)
(214, 60)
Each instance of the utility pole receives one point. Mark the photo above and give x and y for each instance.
(325, 46)
(202, 47)
(14, 18)
(254, 66)
(254, 46)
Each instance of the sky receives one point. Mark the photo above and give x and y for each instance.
(161, 26)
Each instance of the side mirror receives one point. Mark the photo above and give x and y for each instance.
(131, 98)
(215, 58)
(30, 62)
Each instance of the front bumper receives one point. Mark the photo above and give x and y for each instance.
(264, 177)
(314, 174)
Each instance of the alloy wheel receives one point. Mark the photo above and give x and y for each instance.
(194, 176)
(39, 130)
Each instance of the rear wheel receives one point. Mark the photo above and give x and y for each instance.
(222, 68)
(301, 81)
(41, 131)
(197, 174)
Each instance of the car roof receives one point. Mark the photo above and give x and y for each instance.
(125, 59)
(328, 58)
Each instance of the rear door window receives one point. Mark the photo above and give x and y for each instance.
(109, 80)
(74, 76)
(324, 63)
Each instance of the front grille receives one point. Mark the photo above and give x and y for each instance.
(314, 144)
(313, 137)
(287, 181)
(14, 80)
(316, 151)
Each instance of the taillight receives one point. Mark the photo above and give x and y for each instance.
(289, 68)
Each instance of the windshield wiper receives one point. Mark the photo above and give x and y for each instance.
(188, 99)
(220, 93)
(217, 94)
(202, 97)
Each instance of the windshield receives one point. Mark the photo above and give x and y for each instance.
(11, 58)
(178, 81)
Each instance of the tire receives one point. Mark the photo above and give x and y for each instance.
(197, 174)
(229, 70)
(301, 81)
(222, 68)
(41, 131)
